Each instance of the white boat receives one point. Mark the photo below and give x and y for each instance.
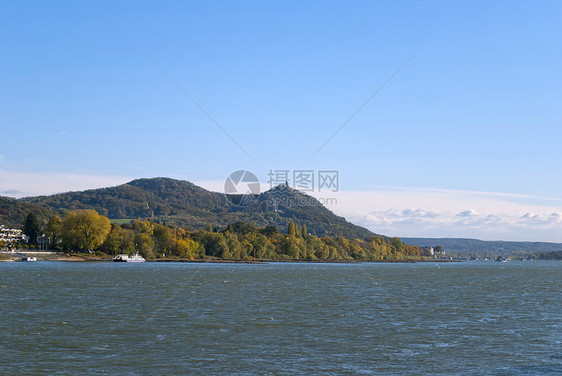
(126, 258)
(28, 258)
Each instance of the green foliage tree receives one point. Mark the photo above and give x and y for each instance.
(214, 244)
(31, 228)
(119, 240)
(163, 239)
(396, 244)
(269, 230)
(53, 230)
(144, 245)
(146, 227)
(292, 229)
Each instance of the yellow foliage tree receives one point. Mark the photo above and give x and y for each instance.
(84, 229)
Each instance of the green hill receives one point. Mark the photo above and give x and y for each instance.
(475, 247)
(185, 204)
(13, 212)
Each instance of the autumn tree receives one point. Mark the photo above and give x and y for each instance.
(184, 246)
(84, 229)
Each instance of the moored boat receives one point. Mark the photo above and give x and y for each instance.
(28, 258)
(126, 258)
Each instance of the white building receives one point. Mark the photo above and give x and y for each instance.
(427, 251)
(9, 235)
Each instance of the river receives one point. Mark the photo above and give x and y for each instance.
(469, 318)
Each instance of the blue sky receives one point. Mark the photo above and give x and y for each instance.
(470, 125)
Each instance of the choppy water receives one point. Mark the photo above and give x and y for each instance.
(281, 319)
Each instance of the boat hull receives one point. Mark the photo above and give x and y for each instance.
(126, 258)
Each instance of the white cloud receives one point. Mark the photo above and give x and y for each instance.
(22, 184)
(421, 212)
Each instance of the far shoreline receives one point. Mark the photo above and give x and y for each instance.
(66, 257)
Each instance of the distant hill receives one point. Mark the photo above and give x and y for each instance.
(185, 204)
(13, 212)
(480, 247)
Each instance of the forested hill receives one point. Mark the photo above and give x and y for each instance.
(185, 204)
(13, 212)
(481, 247)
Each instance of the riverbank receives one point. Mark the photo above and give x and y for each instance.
(78, 257)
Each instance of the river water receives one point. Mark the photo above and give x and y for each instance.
(469, 318)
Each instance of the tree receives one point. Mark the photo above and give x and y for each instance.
(84, 229)
(163, 239)
(185, 246)
(54, 229)
(31, 228)
(396, 243)
(119, 240)
(292, 247)
(146, 227)
(214, 244)
(269, 230)
(292, 229)
(144, 245)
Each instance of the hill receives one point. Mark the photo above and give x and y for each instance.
(475, 247)
(185, 204)
(13, 212)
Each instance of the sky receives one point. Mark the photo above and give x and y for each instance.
(442, 118)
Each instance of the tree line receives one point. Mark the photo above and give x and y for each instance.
(88, 231)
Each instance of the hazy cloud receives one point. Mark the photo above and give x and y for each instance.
(468, 213)
(22, 184)
(12, 193)
(447, 213)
